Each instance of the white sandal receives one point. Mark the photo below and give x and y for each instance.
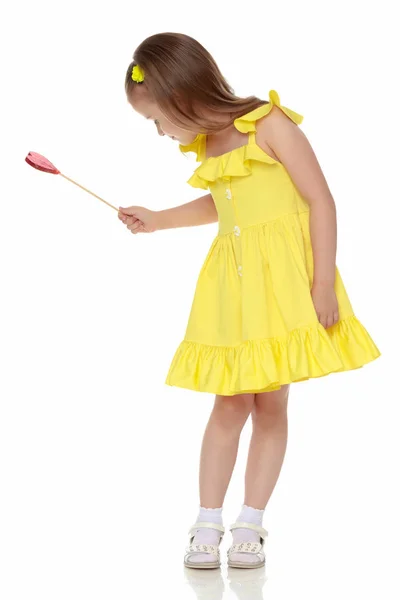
(203, 548)
(256, 548)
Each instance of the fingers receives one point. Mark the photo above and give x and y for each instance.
(129, 221)
(136, 227)
(328, 319)
(130, 210)
(133, 224)
(125, 218)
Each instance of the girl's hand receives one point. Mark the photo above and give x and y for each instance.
(138, 219)
(325, 303)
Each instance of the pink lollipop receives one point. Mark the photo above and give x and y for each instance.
(42, 164)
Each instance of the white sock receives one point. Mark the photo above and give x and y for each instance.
(247, 515)
(205, 535)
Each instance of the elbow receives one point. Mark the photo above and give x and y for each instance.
(325, 203)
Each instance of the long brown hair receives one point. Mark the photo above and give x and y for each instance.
(181, 77)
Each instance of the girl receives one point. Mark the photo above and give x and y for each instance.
(270, 307)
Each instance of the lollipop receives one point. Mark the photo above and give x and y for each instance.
(42, 164)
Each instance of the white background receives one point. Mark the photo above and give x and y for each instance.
(98, 457)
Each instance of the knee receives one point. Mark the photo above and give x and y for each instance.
(231, 412)
(270, 407)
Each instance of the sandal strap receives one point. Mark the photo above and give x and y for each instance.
(206, 524)
(202, 548)
(241, 524)
(248, 547)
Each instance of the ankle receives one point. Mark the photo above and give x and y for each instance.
(251, 515)
(210, 515)
(206, 535)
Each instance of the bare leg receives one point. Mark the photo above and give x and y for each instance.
(267, 446)
(220, 446)
(217, 460)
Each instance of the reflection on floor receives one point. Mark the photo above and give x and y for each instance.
(209, 584)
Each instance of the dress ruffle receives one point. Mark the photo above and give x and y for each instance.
(237, 162)
(195, 146)
(265, 365)
(247, 123)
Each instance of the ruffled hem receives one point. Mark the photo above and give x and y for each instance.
(265, 365)
(236, 163)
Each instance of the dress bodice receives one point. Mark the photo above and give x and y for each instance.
(248, 186)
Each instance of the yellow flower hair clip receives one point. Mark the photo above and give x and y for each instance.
(137, 74)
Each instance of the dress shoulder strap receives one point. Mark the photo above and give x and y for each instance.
(247, 123)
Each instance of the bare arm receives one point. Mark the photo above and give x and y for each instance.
(197, 212)
(293, 149)
(291, 146)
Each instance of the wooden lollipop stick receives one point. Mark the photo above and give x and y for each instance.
(86, 190)
(38, 161)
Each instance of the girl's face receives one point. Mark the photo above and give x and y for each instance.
(149, 110)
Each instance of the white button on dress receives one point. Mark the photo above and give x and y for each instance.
(236, 230)
(228, 194)
(240, 270)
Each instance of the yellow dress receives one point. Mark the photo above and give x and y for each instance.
(252, 325)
